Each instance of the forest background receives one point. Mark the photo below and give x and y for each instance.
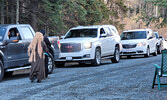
(58, 16)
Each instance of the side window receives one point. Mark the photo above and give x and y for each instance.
(107, 30)
(26, 32)
(13, 32)
(102, 31)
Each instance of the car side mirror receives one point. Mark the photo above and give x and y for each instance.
(103, 35)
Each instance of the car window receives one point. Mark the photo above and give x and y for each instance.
(133, 35)
(82, 33)
(27, 32)
(14, 33)
(2, 33)
(109, 31)
(102, 31)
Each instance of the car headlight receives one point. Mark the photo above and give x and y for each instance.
(87, 45)
(141, 44)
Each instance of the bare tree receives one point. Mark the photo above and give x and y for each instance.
(17, 11)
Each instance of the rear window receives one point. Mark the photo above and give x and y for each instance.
(133, 35)
(82, 33)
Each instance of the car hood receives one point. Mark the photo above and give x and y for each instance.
(77, 40)
(134, 41)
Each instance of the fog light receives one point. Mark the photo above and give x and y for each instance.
(87, 56)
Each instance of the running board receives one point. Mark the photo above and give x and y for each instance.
(20, 68)
(107, 57)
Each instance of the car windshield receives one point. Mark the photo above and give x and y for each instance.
(82, 33)
(133, 35)
(2, 33)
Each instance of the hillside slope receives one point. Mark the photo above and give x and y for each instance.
(132, 20)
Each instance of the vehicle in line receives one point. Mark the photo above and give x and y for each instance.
(14, 42)
(138, 42)
(90, 44)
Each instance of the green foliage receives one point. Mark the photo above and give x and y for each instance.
(57, 16)
(60, 15)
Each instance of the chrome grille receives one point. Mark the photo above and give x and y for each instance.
(70, 47)
(127, 46)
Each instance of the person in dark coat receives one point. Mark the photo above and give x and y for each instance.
(36, 51)
(46, 40)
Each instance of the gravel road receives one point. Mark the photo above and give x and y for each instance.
(130, 79)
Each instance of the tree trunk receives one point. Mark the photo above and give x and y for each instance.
(2, 11)
(33, 15)
(17, 12)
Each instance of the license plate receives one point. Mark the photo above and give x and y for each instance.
(68, 58)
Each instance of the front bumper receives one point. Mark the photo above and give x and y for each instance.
(134, 51)
(83, 55)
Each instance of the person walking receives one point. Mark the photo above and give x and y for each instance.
(47, 42)
(36, 51)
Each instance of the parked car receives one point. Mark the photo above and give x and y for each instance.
(159, 41)
(138, 42)
(14, 41)
(90, 44)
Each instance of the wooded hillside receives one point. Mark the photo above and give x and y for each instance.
(57, 16)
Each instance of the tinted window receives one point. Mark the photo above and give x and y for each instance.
(82, 33)
(2, 33)
(27, 32)
(133, 35)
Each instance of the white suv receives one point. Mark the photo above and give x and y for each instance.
(89, 44)
(138, 42)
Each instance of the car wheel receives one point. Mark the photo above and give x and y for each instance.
(1, 71)
(155, 53)
(97, 58)
(51, 64)
(148, 52)
(116, 57)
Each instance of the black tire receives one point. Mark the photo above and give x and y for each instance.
(59, 64)
(51, 64)
(1, 71)
(97, 58)
(148, 52)
(155, 53)
(116, 57)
